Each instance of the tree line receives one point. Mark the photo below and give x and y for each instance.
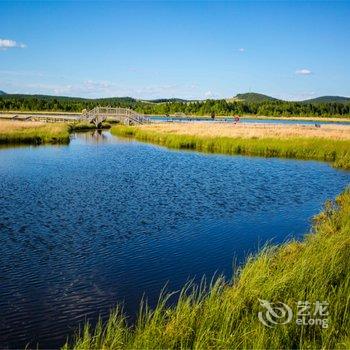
(197, 108)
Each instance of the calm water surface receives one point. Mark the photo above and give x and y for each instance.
(102, 221)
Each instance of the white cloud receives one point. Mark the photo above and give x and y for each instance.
(241, 49)
(303, 71)
(10, 44)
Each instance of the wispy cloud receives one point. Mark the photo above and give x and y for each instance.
(10, 44)
(210, 95)
(295, 96)
(91, 88)
(303, 71)
(19, 73)
(241, 49)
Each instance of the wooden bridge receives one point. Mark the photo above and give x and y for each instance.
(128, 116)
(95, 116)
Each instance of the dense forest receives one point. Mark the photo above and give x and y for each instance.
(218, 107)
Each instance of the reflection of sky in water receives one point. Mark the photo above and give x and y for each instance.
(105, 220)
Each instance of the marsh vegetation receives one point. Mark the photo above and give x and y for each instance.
(14, 132)
(36, 133)
(330, 143)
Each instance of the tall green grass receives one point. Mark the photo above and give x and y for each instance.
(335, 151)
(48, 133)
(225, 315)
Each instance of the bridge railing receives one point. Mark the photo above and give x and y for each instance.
(125, 115)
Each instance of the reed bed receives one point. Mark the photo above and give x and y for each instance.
(224, 315)
(329, 143)
(18, 132)
(24, 132)
(253, 130)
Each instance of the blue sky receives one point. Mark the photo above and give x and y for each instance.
(291, 50)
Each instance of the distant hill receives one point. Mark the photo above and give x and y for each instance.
(131, 102)
(252, 97)
(104, 100)
(255, 97)
(68, 98)
(329, 99)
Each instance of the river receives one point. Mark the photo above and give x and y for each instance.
(106, 220)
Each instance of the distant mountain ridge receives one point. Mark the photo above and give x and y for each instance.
(61, 98)
(256, 97)
(242, 104)
(249, 97)
(329, 99)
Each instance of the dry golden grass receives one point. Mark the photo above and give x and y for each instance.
(10, 126)
(334, 132)
(13, 132)
(312, 119)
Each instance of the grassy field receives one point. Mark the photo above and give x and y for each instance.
(17, 132)
(224, 315)
(328, 143)
(36, 133)
(316, 119)
(257, 130)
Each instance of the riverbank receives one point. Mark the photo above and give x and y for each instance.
(335, 119)
(330, 143)
(225, 315)
(36, 133)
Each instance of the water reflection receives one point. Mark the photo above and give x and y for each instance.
(94, 137)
